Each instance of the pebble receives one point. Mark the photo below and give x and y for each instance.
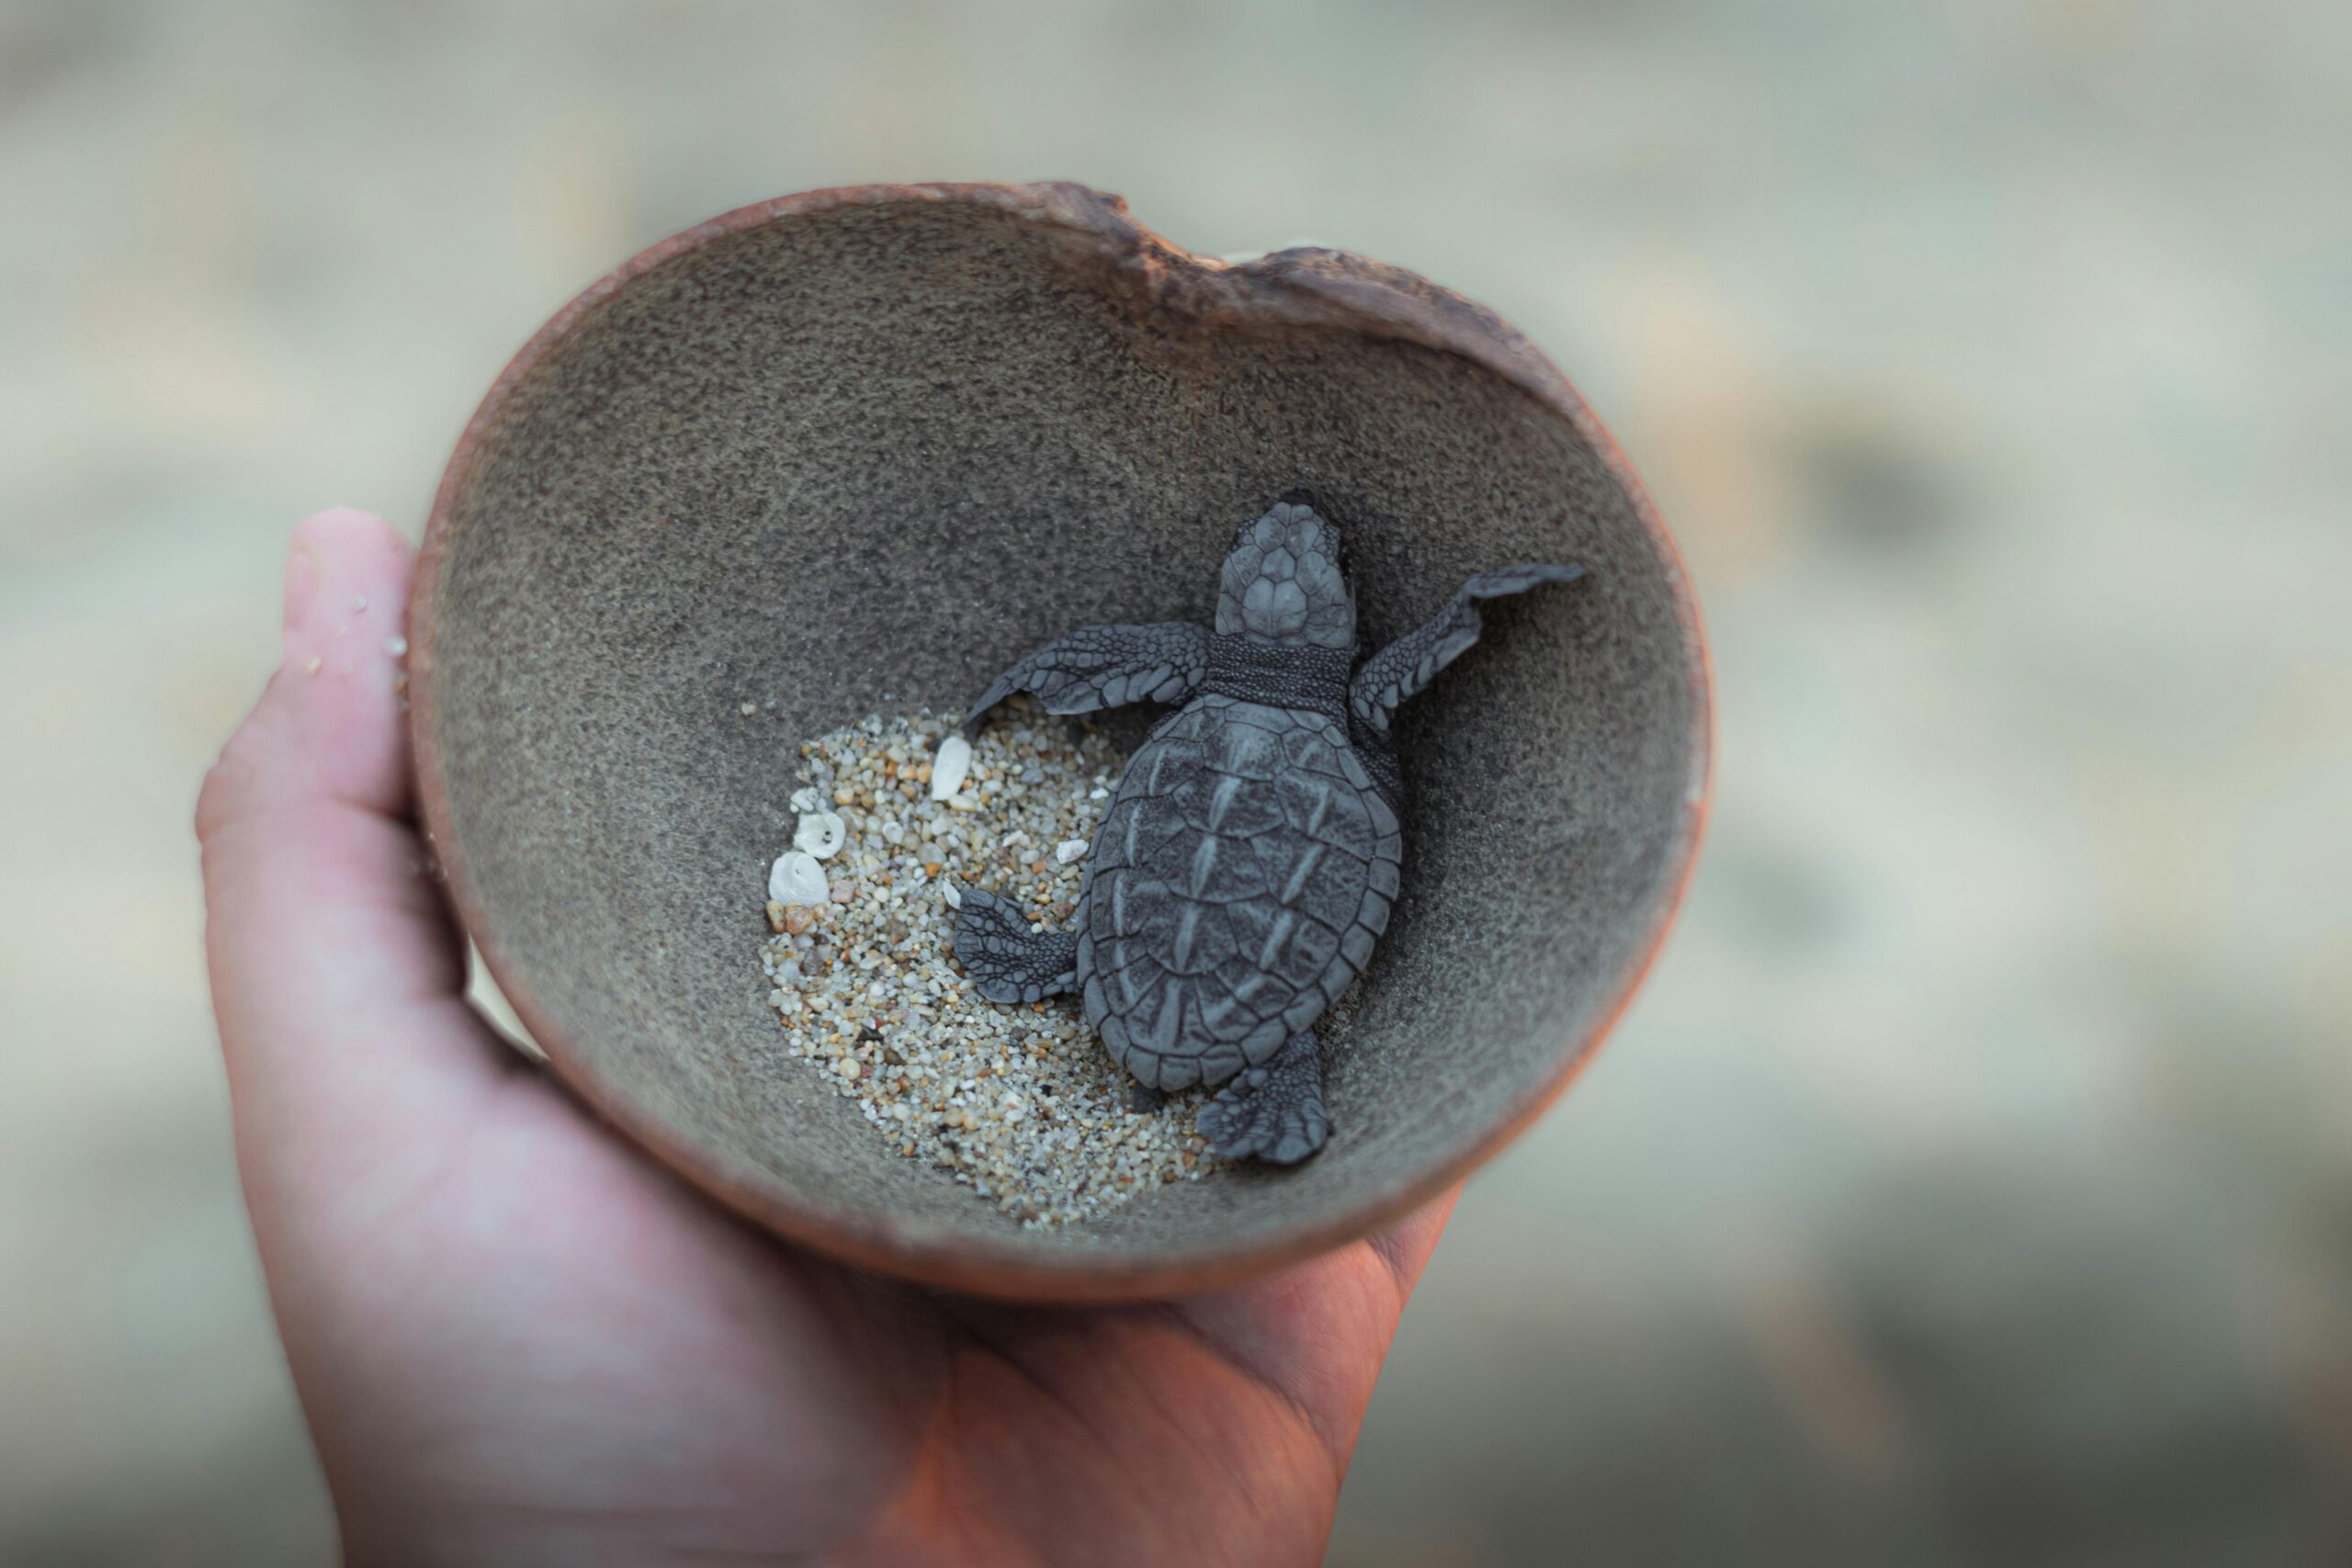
(1019, 1105)
(808, 798)
(796, 878)
(950, 766)
(820, 833)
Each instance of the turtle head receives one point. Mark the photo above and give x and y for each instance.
(1286, 581)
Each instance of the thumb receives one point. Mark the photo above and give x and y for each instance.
(336, 975)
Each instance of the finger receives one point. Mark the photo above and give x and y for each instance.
(1405, 1246)
(336, 975)
(1319, 1332)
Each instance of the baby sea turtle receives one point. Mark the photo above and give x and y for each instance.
(1248, 859)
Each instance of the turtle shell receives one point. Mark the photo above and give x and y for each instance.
(1242, 872)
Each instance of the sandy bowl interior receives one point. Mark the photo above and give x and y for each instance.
(855, 451)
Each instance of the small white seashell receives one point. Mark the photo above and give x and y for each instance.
(950, 766)
(808, 797)
(1069, 850)
(947, 891)
(820, 833)
(796, 878)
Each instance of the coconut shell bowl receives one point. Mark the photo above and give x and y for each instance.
(855, 451)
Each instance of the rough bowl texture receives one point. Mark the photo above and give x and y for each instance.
(857, 449)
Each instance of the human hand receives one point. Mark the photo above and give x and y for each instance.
(517, 1340)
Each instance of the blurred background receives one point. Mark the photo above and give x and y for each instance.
(1972, 1184)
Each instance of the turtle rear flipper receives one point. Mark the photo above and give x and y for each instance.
(1274, 1111)
(1007, 960)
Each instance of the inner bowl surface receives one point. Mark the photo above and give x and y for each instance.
(856, 450)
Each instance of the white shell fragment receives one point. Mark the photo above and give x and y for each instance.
(808, 797)
(1069, 850)
(947, 891)
(820, 833)
(950, 766)
(796, 878)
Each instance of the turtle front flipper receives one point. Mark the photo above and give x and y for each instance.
(1104, 667)
(1007, 960)
(1412, 661)
(1274, 1111)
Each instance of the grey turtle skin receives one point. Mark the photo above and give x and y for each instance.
(1248, 857)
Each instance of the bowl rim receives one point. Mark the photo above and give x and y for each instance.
(1300, 286)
